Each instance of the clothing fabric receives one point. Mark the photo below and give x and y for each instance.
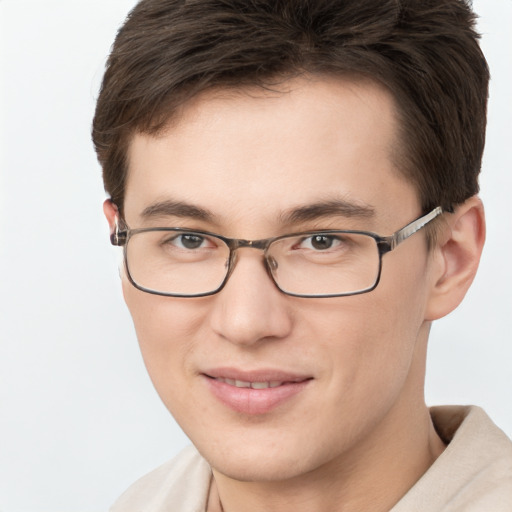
(473, 474)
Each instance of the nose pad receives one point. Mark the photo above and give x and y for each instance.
(231, 263)
(271, 263)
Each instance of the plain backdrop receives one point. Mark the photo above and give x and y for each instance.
(79, 419)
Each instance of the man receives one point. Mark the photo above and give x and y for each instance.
(262, 159)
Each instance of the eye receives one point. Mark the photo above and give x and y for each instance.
(320, 242)
(189, 241)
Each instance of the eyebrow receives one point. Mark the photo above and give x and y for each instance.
(318, 210)
(330, 208)
(170, 208)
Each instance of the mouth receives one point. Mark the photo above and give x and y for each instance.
(254, 385)
(257, 392)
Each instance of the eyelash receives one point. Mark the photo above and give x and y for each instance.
(178, 240)
(334, 240)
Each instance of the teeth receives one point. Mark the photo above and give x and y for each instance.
(253, 385)
(260, 385)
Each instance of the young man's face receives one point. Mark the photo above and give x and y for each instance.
(351, 367)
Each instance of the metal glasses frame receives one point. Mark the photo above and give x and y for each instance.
(122, 234)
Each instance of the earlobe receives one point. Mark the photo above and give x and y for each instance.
(456, 257)
(111, 213)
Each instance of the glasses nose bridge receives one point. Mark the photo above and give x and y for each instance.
(260, 245)
(238, 243)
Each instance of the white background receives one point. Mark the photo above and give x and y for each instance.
(79, 419)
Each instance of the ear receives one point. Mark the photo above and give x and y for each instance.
(111, 213)
(456, 257)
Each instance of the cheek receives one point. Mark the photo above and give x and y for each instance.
(167, 333)
(394, 320)
(371, 340)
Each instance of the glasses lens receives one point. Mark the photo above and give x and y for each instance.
(333, 263)
(173, 262)
(187, 263)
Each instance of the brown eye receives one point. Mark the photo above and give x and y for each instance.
(321, 242)
(191, 241)
(187, 241)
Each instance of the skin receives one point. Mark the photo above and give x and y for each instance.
(358, 435)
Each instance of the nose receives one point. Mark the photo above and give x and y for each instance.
(250, 308)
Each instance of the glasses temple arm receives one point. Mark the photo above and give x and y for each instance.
(414, 226)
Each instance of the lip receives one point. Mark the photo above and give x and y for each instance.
(248, 400)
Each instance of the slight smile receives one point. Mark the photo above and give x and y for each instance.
(256, 392)
(253, 385)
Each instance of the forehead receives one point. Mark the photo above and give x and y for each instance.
(252, 151)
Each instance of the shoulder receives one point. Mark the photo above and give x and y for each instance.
(473, 474)
(182, 483)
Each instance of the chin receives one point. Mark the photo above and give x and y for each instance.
(253, 461)
(265, 469)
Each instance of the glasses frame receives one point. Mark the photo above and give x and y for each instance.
(122, 234)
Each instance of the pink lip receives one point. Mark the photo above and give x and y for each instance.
(254, 401)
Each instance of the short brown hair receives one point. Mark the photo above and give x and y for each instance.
(425, 52)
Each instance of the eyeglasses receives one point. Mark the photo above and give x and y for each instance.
(179, 262)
